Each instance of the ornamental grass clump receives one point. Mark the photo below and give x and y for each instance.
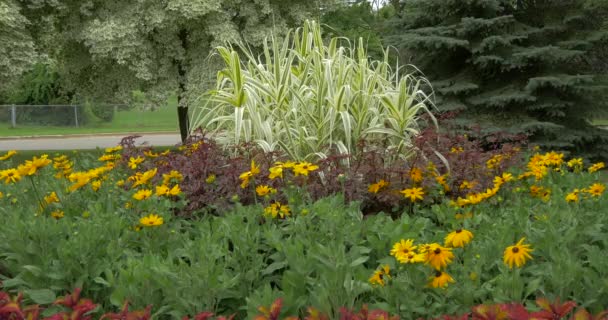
(309, 99)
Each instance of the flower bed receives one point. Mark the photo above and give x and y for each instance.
(191, 229)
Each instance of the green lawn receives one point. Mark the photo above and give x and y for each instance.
(600, 122)
(134, 121)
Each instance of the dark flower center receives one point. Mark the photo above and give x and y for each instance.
(515, 250)
(438, 274)
(405, 251)
(458, 230)
(437, 251)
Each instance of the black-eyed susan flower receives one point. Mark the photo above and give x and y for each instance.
(517, 254)
(263, 190)
(303, 168)
(438, 257)
(376, 187)
(134, 162)
(10, 175)
(458, 238)
(210, 179)
(95, 185)
(162, 190)
(402, 249)
(51, 198)
(576, 164)
(143, 178)
(276, 209)
(596, 189)
(456, 150)
(142, 194)
(8, 155)
(414, 194)
(381, 276)
(596, 167)
(151, 220)
(172, 176)
(440, 279)
(113, 149)
(175, 191)
(57, 214)
(573, 196)
(247, 175)
(442, 181)
(416, 175)
(467, 185)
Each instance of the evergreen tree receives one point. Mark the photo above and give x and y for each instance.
(512, 65)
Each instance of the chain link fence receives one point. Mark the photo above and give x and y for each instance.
(83, 118)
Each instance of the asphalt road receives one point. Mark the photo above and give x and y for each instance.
(84, 141)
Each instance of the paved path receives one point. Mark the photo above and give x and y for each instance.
(84, 141)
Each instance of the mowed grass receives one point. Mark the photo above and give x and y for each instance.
(135, 121)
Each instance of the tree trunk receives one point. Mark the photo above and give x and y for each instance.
(182, 105)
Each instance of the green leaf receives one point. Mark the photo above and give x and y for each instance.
(359, 261)
(42, 296)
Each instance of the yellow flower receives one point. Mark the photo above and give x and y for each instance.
(439, 257)
(596, 189)
(376, 187)
(381, 276)
(494, 162)
(109, 157)
(458, 238)
(416, 175)
(275, 172)
(80, 179)
(8, 155)
(517, 254)
(507, 177)
(151, 220)
(303, 168)
(57, 214)
(413, 194)
(113, 149)
(276, 209)
(1, 195)
(402, 249)
(150, 154)
(142, 194)
(52, 197)
(162, 190)
(442, 181)
(175, 191)
(246, 176)
(173, 174)
(210, 179)
(95, 185)
(467, 215)
(120, 183)
(134, 162)
(10, 175)
(596, 167)
(31, 166)
(467, 185)
(576, 164)
(440, 279)
(457, 150)
(141, 179)
(264, 190)
(572, 196)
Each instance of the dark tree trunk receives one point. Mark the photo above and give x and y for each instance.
(182, 108)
